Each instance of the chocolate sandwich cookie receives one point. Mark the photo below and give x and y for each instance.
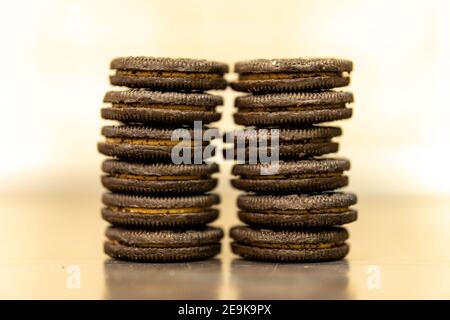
(145, 143)
(163, 245)
(302, 74)
(292, 143)
(310, 175)
(304, 245)
(144, 106)
(168, 74)
(292, 108)
(159, 211)
(297, 210)
(130, 177)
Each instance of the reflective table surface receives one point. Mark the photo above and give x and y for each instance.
(51, 248)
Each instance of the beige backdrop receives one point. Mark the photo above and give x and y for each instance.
(56, 57)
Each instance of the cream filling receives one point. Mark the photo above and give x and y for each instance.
(154, 245)
(155, 178)
(292, 108)
(309, 211)
(286, 75)
(153, 142)
(298, 246)
(296, 176)
(157, 211)
(169, 74)
(164, 106)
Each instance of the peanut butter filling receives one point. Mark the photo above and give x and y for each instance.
(169, 74)
(164, 106)
(290, 75)
(155, 178)
(309, 211)
(293, 108)
(157, 211)
(151, 142)
(299, 246)
(297, 176)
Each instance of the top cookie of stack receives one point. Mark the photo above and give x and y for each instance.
(291, 75)
(169, 74)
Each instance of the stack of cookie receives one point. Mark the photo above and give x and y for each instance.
(158, 204)
(291, 207)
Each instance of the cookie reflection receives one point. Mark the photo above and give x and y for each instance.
(193, 280)
(263, 280)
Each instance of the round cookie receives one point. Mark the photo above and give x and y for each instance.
(145, 143)
(310, 175)
(292, 108)
(159, 211)
(291, 75)
(303, 245)
(163, 245)
(144, 106)
(297, 210)
(293, 143)
(157, 178)
(168, 74)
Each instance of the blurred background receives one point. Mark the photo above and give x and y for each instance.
(55, 65)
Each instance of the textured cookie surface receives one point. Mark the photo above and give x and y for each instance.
(163, 245)
(305, 245)
(292, 100)
(292, 108)
(147, 97)
(292, 176)
(292, 143)
(144, 106)
(158, 169)
(195, 201)
(145, 178)
(291, 75)
(168, 64)
(292, 211)
(168, 74)
(122, 252)
(305, 134)
(297, 201)
(293, 65)
(287, 168)
(164, 238)
(159, 212)
(146, 143)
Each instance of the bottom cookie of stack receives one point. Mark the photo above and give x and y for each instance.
(303, 245)
(163, 245)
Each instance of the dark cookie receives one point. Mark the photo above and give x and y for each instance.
(159, 212)
(145, 143)
(305, 245)
(129, 177)
(293, 176)
(293, 143)
(292, 108)
(143, 106)
(292, 211)
(163, 245)
(168, 74)
(284, 75)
